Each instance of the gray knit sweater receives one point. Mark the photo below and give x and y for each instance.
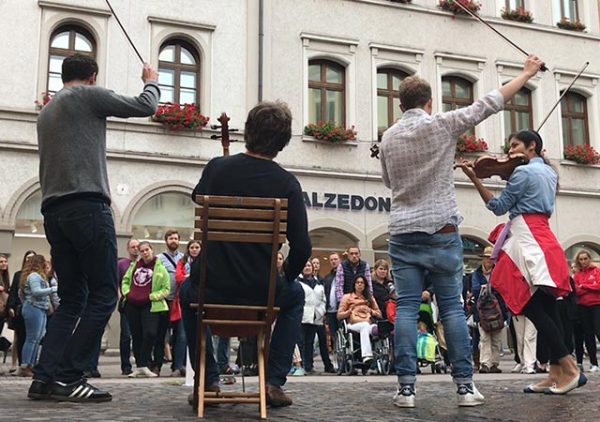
(72, 138)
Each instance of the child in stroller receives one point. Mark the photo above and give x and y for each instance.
(429, 344)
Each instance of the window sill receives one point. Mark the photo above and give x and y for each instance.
(570, 163)
(312, 139)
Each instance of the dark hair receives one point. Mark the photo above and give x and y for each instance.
(29, 252)
(171, 232)
(268, 128)
(529, 136)
(4, 277)
(78, 68)
(145, 242)
(366, 292)
(186, 255)
(414, 92)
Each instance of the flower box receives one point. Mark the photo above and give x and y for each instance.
(566, 23)
(46, 97)
(450, 6)
(330, 132)
(401, 1)
(582, 154)
(520, 14)
(468, 144)
(175, 116)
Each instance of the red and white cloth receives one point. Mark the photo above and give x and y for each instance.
(530, 257)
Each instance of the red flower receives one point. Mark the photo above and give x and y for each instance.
(175, 116)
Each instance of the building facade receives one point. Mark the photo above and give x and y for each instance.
(338, 60)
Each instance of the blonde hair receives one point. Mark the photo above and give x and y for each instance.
(35, 264)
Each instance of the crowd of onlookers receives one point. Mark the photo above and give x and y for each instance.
(352, 290)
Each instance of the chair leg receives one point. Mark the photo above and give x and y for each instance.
(201, 371)
(262, 388)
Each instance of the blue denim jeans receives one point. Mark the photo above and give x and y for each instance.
(178, 345)
(437, 258)
(222, 352)
(83, 245)
(35, 327)
(289, 297)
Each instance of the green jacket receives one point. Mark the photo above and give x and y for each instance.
(161, 284)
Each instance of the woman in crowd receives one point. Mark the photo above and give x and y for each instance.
(587, 290)
(314, 313)
(35, 292)
(359, 307)
(532, 268)
(145, 286)
(4, 288)
(15, 318)
(383, 287)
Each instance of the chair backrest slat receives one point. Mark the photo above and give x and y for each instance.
(243, 237)
(241, 201)
(242, 225)
(251, 214)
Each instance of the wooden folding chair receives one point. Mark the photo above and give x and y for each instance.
(237, 219)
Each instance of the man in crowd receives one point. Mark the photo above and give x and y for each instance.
(350, 268)
(331, 304)
(133, 254)
(177, 341)
(79, 224)
(321, 332)
(239, 272)
(417, 156)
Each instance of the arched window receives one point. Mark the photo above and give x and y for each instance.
(457, 93)
(326, 92)
(565, 9)
(29, 220)
(518, 112)
(513, 4)
(472, 251)
(179, 73)
(65, 42)
(388, 102)
(169, 210)
(592, 248)
(326, 240)
(574, 119)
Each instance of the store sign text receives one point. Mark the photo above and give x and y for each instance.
(342, 201)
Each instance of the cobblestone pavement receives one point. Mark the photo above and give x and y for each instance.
(327, 398)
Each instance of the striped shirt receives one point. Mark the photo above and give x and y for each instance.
(417, 155)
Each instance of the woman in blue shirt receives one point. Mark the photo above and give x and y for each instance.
(35, 292)
(532, 268)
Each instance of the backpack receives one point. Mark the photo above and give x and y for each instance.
(490, 313)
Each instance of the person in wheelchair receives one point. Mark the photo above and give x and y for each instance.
(359, 308)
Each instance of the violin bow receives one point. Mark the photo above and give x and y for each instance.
(476, 16)
(124, 31)
(562, 95)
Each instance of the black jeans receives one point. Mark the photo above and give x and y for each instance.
(83, 245)
(542, 312)
(158, 353)
(590, 320)
(125, 343)
(289, 297)
(322, 336)
(143, 325)
(307, 344)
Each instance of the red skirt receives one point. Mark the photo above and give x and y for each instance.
(531, 257)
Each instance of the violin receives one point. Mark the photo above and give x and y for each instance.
(488, 166)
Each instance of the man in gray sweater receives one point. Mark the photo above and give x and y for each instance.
(79, 224)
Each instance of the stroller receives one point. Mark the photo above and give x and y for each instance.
(430, 342)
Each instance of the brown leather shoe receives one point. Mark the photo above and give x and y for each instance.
(213, 388)
(25, 371)
(276, 397)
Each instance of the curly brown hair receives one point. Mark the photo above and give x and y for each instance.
(35, 264)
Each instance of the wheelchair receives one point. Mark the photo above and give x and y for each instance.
(348, 353)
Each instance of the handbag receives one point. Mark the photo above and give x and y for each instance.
(50, 310)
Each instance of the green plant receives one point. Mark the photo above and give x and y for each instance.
(330, 132)
(175, 116)
(571, 25)
(582, 154)
(519, 14)
(450, 6)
